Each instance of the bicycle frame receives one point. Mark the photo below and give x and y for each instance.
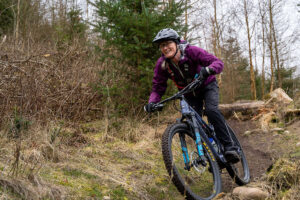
(197, 123)
(200, 127)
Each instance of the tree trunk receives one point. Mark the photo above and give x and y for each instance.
(277, 56)
(271, 47)
(17, 21)
(216, 39)
(186, 18)
(263, 63)
(262, 14)
(252, 75)
(243, 107)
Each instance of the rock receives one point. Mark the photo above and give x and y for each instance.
(248, 193)
(254, 131)
(277, 130)
(280, 96)
(286, 132)
(106, 198)
(298, 144)
(247, 133)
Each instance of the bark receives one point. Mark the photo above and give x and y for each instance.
(244, 107)
(252, 75)
(271, 46)
(17, 21)
(216, 39)
(263, 52)
(186, 18)
(277, 56)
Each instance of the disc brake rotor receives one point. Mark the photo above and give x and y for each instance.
(196, 160)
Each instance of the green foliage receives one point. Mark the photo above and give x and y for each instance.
(289, 82)
(18, 124)
(128, 28)
(77, 173)
(55, 132)
(119, 193)
(73, 28)
(6, 16)
(235, 79)
(76, 26)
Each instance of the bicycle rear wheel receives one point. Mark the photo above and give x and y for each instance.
(202, 181)
(239, 172)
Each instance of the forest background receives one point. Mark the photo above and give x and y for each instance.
(75, 75)
(75, 60)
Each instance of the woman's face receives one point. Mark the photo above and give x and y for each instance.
(168, 48)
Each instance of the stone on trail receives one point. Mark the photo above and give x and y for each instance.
(249, 193)
(277, 129)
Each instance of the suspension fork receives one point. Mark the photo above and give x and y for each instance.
(197, 136)
(184, 149)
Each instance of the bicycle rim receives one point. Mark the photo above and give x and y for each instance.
(200, 182)
(239, 172)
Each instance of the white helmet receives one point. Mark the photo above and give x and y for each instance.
(166, 34)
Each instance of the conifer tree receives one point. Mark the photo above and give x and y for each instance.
(128, 27)
(6, 16)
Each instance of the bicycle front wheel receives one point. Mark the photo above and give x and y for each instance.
(202, 181)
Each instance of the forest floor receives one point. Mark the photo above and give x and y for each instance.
(83, 161)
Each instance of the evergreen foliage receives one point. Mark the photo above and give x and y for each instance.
(73, 28)
(6, 16)
(235, 78)
(288, 80)
(128, 28)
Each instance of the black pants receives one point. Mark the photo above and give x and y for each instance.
(210, 96)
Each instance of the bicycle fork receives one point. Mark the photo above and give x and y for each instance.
(198, 146)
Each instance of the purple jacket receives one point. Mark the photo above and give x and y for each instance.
(194, 57)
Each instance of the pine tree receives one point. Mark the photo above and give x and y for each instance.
(128, 27)
(6, 16)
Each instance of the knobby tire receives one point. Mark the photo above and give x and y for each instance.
(175, 174)
(233, 169)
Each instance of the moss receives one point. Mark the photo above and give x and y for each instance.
(77, 173)
(9, 194)
(94, 191)
(119, 193)
(296, 153)
(284, 174)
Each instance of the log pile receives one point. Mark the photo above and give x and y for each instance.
(278, 108)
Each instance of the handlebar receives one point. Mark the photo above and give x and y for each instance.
(189, 88)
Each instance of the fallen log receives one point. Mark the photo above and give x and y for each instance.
(246, 108)
(291, 115)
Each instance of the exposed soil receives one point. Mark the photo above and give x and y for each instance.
(258, 150)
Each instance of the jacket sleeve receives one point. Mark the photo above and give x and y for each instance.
(159, 83)
(206, 59)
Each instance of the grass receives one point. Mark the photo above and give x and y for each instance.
(114, 168)
(117, 168)
(8, 194)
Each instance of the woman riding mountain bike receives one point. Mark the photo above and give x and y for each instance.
(182, 62)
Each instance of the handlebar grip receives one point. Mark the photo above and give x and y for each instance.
(158, 107)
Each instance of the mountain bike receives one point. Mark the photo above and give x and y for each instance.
(193, 155)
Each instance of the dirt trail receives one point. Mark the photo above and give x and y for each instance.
(258, 150)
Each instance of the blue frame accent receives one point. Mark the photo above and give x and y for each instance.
(186, 109)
